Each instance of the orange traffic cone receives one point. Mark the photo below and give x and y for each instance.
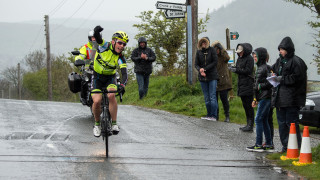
(305, 153)
(292, 151)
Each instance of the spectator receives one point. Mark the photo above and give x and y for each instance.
(143, 58)
(244, 69)
(224, 83)
(206, 63)
(270, 118)
(262, 92)
(290, 94)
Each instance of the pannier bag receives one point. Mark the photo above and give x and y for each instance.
(74, 82)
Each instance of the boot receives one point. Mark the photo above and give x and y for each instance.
(227, 119)
(249, 128)
(243, 127)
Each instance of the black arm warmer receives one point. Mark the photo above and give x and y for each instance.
(124, 78)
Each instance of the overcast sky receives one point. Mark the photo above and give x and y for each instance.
(25, 10)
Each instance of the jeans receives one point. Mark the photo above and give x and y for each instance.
(225, 102)
(270, 121)
(210, 99)
(261, 120)
(143, 83)
(286, 116)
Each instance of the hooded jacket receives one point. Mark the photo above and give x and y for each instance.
(293, 85)
(224, 82)
(207, 59)
(143, 66)
(262, 87)
(244, 69)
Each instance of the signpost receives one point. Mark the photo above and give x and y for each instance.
(176, 10)
(171, 6)
(174, 14)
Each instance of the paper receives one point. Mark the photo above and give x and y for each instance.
(272, 80)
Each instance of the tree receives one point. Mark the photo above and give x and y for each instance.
(166, 36)
(313, 6)
(11, 77)
(35, 61)
(36, 82)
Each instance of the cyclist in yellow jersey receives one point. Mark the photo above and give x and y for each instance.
(106, 61)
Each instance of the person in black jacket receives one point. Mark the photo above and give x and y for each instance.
(206, 63)
(262, 92)
(244, 69)
(143, 58)
(290, 94)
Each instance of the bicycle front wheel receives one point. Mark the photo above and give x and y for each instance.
(107, 128)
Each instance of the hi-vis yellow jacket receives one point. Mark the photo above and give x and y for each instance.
(87, 53)
(107, 60)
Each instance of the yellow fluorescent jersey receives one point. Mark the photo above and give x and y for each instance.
(106, 62)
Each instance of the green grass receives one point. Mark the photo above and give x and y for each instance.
(309, 171)
(175, 95)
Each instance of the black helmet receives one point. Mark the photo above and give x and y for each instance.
(142, 39)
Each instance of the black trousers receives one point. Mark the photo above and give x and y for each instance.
(225, 102)
(246, 103)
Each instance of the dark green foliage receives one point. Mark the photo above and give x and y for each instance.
(36, 82)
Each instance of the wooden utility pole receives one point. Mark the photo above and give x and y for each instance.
(194, 36)
(231, 94)
(19, 82)
(46, 20)
(228, 38)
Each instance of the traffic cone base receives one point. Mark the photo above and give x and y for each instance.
(297, 163)
(284, 158)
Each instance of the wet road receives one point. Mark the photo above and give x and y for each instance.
(54, 140)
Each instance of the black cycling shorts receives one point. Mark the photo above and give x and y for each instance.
(99, 82)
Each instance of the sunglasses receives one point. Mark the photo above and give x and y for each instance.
(122, 43)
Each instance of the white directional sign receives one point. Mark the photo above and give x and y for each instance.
(174, 14)
(171, 6)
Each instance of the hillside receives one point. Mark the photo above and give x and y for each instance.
(18, 39)
(264, 24)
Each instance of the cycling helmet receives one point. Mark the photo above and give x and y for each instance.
(121, 35)
(90, 35)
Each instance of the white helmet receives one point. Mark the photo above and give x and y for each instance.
(90, 35)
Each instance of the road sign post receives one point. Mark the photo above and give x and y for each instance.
(174, 14)
(171, 6)
(175, 10)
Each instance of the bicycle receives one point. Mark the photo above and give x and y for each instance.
(105, 120)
